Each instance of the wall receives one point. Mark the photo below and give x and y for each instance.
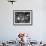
(38, 30)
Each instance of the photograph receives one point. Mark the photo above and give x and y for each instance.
(22, 22)
(22, 17)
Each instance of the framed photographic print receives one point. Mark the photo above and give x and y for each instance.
(22, 17)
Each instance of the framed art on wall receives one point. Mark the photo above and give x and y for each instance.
(22, 17)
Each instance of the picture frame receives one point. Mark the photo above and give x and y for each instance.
(22, 17)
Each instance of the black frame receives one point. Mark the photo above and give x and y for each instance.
(31, 17)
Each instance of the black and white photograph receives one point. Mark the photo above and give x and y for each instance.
(22, 17)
